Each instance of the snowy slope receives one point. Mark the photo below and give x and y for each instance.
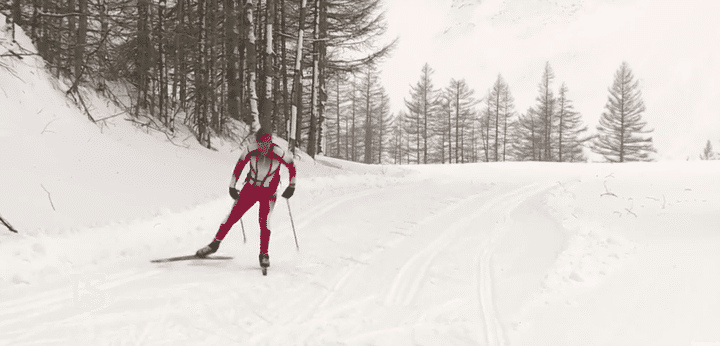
(62, 171)
(477, 254)
(505, 254)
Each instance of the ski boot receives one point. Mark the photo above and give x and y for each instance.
(208, 249)
(264, 262)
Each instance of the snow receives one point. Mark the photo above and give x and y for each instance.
(475, 254)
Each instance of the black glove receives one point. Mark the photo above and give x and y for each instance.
(234, 193)
(289, 191)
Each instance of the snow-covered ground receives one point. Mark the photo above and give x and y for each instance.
(500, 254)
(477, 254)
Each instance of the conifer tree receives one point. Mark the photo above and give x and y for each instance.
(708, 153)
(621, 127)
(570, 129)
(460, 101)
(369, 109)
(546, 115)
(508, 112)
(527, 137)
(423, 102)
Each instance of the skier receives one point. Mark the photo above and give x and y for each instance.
(261, 185)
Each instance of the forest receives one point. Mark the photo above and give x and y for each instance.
(307, 70)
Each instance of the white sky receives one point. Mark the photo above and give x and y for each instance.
(671, 47)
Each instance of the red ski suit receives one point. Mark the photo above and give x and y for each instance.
(260, 186)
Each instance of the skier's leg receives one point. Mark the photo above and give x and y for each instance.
(266, 206)
(245, 201)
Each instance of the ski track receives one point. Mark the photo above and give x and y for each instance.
(494, 332)
(302, 314)
(413, 274)
(59, 297)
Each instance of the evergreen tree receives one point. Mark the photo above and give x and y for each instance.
(370, 111)
(423, 102)
(527, 137)
(460, 101)
(621, 126)
(546, 115)
(708, 153)
(499, 109)
(570, 129)
(385, 127)
(508, 112)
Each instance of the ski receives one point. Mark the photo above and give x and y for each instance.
(190, 257)
(264, 271)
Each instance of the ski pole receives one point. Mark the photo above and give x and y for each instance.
(243, 230)
(293, 224)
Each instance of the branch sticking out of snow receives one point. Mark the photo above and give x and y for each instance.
(46, 126)
(7, 224)
(607, 192)
(50, 198)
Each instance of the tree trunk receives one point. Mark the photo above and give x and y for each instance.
(17, 13)
(180, 73)
(81, 40)
(251, 64)
(353, 155)
(277, 85)
(314, 88)
(231, 60)
(162, 81)
(322, 58)
(368, 121)
(242, 66)
(269, 67)
(211, 63)
(286, 91)
(143, 53)
(199, 72)
(297, 82)
(337, 113)
(71, 41)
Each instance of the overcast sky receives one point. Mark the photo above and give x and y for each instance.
(671, 46)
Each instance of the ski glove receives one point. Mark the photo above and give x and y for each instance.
(234, 193)
(289, 191)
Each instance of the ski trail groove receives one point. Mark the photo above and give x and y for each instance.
(494, 333)
(58, 298)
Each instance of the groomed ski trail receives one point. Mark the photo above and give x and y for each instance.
(375, 267)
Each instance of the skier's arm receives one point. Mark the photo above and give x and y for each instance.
(244, 159)
(287, 160)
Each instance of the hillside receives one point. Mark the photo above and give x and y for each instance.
(517, 253)
(62, 171)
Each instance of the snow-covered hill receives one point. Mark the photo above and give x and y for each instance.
(479, 254)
